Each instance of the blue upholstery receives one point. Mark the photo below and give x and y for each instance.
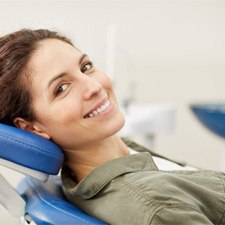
(29, 150)
(45, 202)
(212, 116)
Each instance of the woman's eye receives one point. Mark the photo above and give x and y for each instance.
(86, 67)
(61, 89)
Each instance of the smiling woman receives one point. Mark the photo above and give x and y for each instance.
(50, 88)
(74, 92)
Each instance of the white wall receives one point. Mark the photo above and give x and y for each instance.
(173, 51)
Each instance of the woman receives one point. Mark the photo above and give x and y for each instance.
(52, 89)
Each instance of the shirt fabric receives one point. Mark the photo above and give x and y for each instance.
(131, 190)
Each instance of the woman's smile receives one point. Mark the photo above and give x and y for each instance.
(102, 108)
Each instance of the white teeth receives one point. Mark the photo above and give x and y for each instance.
(95, 113)
(100, 109)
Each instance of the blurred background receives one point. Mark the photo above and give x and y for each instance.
(157, 52)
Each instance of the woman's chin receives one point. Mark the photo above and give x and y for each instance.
(117, 125)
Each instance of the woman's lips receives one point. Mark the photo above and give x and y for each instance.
(99, 109)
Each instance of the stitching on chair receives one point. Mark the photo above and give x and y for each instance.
(29, 146)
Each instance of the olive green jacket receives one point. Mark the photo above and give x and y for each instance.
(131, 191)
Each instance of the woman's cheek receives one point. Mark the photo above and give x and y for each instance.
(106, 82)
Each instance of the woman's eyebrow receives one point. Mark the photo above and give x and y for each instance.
(63, 74)
(82, 58)
(55, 78)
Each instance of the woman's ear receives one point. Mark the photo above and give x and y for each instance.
(29, 126)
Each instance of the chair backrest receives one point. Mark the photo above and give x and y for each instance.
(36, 157)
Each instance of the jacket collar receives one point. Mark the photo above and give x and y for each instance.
(102, 175)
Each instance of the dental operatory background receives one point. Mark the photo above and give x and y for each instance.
(162, 56)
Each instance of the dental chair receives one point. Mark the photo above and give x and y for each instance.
(38, 198)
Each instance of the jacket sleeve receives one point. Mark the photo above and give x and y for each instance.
(180, 215)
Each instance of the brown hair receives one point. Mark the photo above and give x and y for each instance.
(16, 49)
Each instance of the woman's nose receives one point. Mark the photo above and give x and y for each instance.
(91, 88)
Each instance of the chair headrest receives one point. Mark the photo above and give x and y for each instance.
(29, 150)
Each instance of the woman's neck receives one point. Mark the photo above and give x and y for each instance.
(82, 161)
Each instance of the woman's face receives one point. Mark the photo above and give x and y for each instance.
(73, 100)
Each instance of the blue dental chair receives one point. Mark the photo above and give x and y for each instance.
(39, 196)
(212, 116)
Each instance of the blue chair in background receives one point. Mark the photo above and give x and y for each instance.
(212, 116)
(39, 197)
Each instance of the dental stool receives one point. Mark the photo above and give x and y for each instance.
(38, 198)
